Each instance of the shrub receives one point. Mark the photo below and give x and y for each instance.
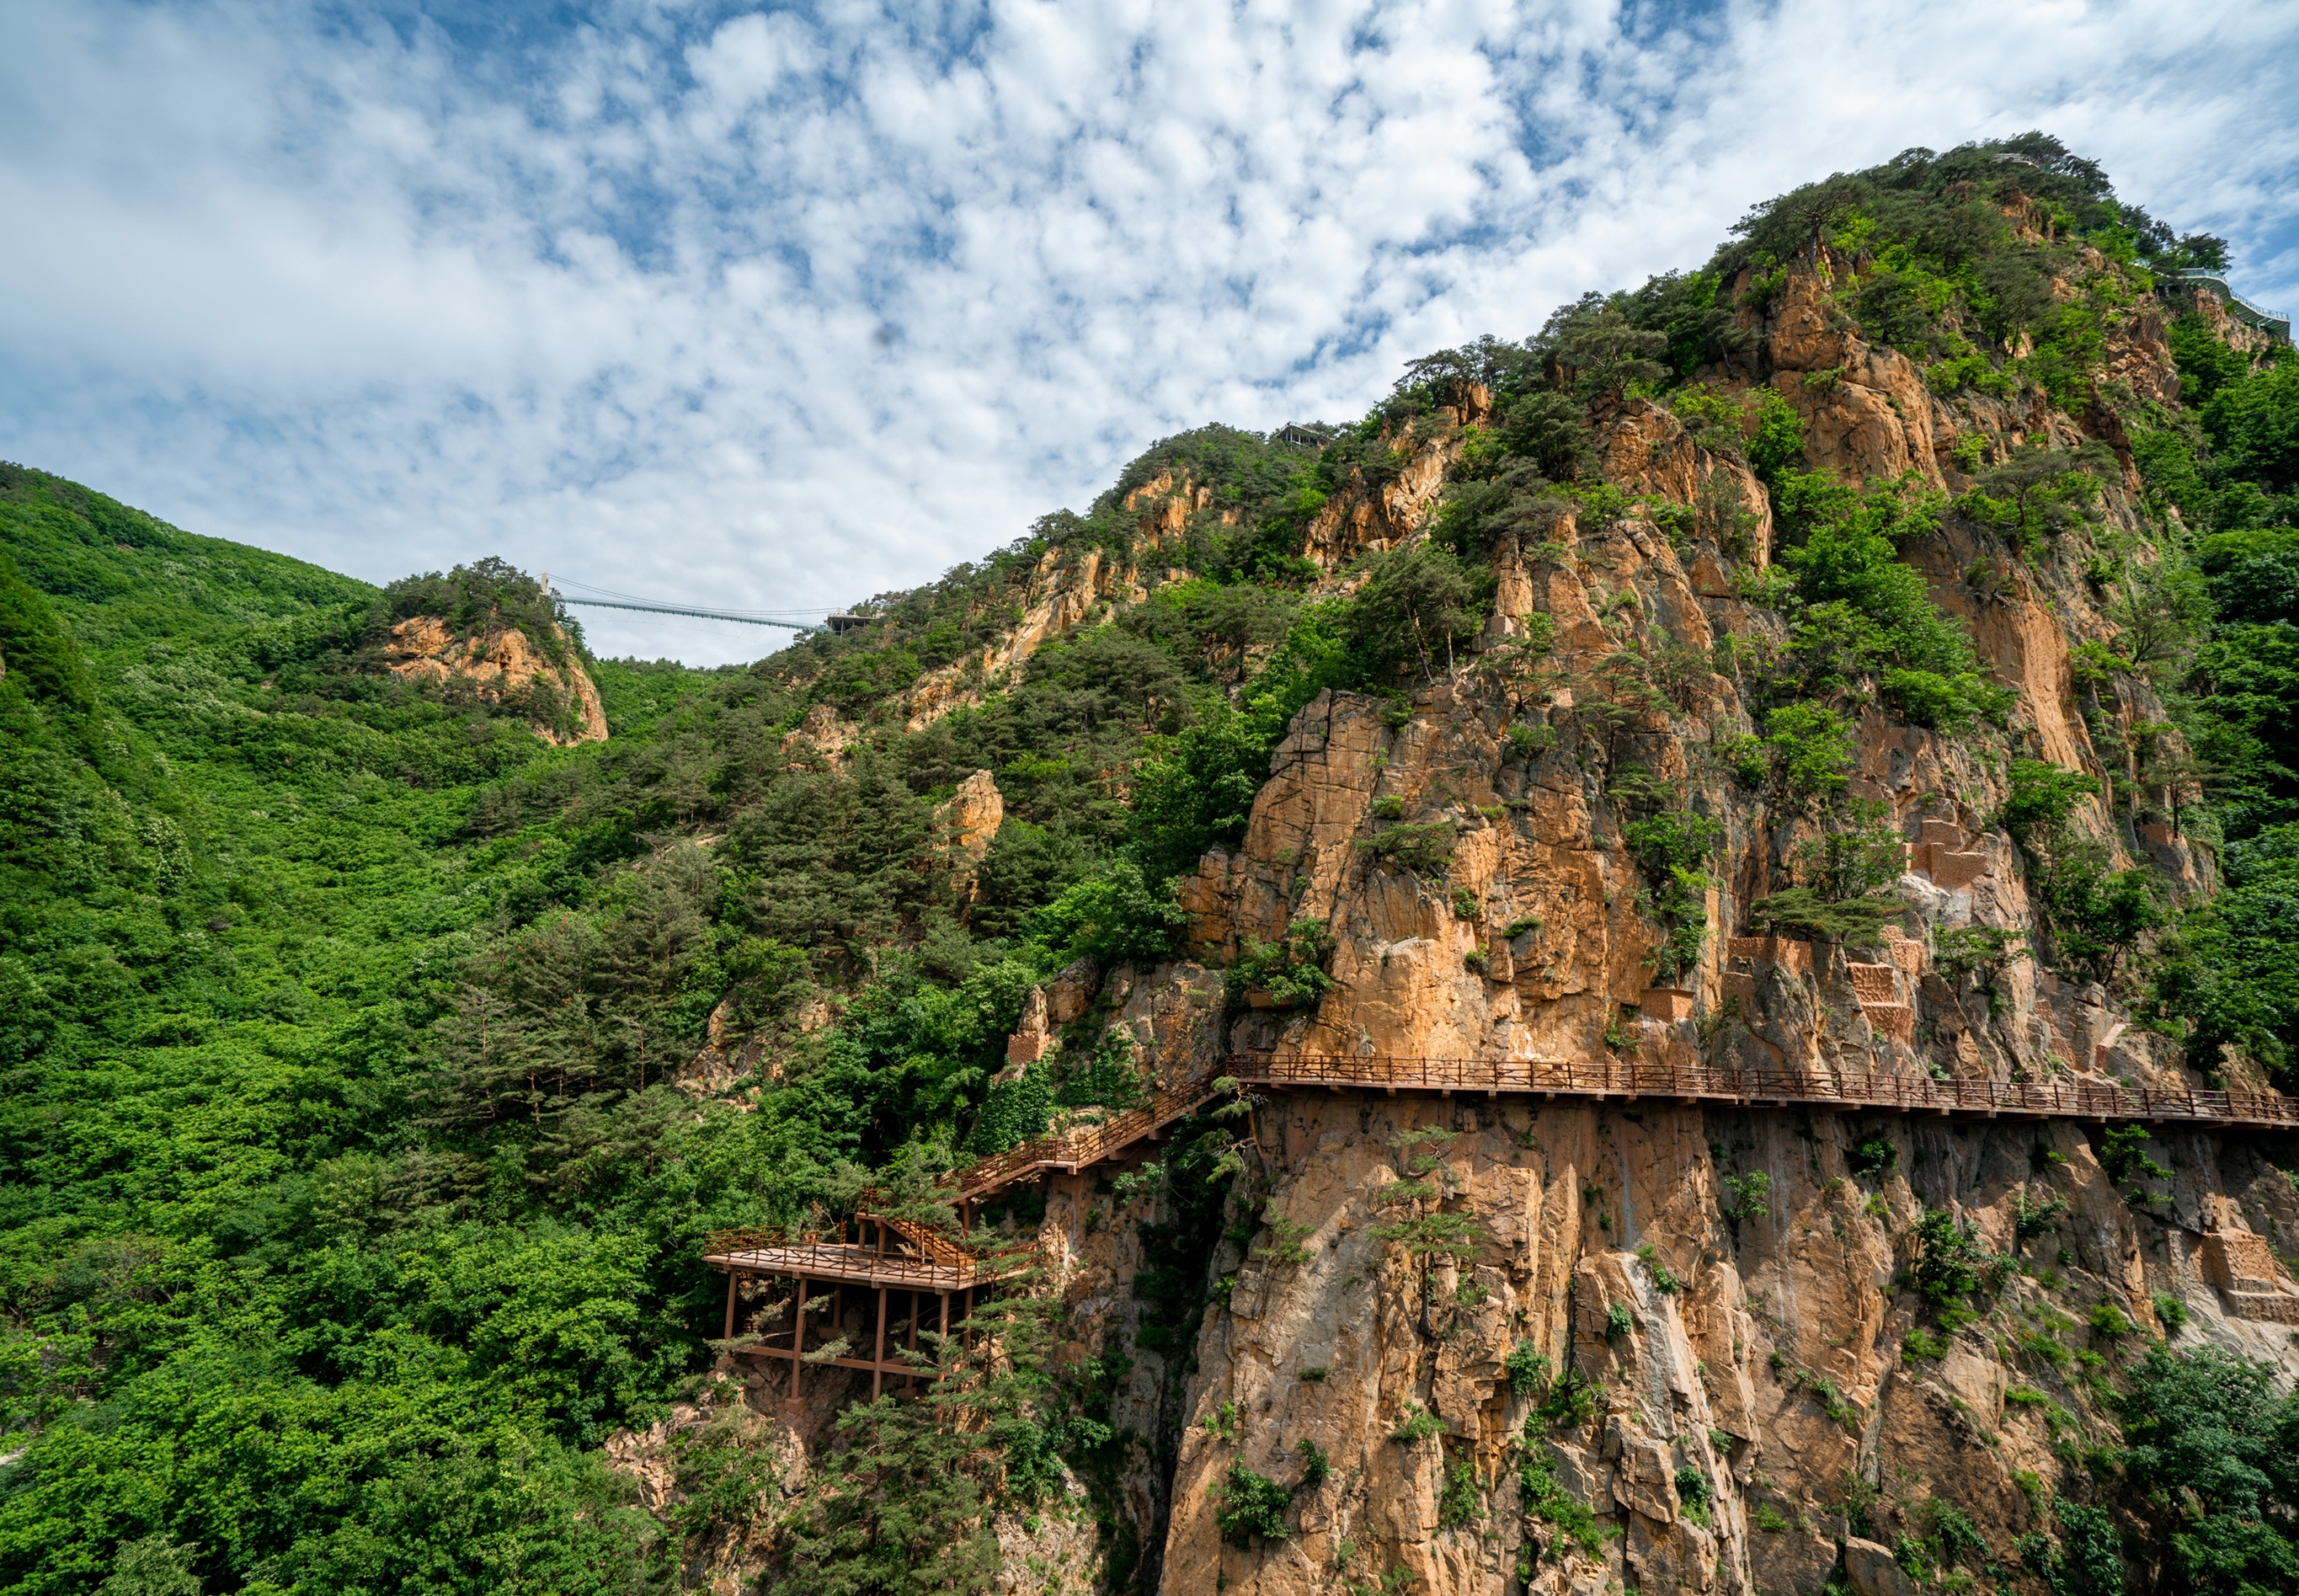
(1950, 1264)
(1291, 969)
(1745, 758)
(1315, 1466)
(1692, 1491)
(1778, 442)
(1425, 849)
(1750, 1196)
(2034, 1219)
(1662, 1280)
(1770, 1518)
(1919, 1343)
(2170, 1310)
(1546, 1500)
(1460, 1501)
(1528, 1370)
(2110, 1322)
(1530, 741)
(2123, 1156)
(1419, 1425)
(1571, 1402)
(1669, 847)
(1872, 1155)
(1618, 1321)
(1810, 749)
(1248, 1504)
(1284, 1245)
(2041, 800)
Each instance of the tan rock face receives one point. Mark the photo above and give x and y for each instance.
(970, 819)
(823, 733)
(498, 663)
(1758, 1352)
(1761, 1353)
(1062, 594)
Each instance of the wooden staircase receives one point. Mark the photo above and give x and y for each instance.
(1080, 1148)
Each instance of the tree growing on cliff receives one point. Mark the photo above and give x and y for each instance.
(1425, 1233)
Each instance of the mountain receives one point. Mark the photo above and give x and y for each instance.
(1643, 885)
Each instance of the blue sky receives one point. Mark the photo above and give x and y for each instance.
(777, 308)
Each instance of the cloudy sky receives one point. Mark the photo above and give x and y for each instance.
(781, 308)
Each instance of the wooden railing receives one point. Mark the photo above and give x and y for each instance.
(803, 1252)
(930, 1243)
(1832, 1088)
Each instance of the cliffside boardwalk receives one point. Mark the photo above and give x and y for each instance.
(891, 1254)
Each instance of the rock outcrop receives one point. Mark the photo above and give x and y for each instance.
(499, 666)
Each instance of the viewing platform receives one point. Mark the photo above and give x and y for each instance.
(913, 1270)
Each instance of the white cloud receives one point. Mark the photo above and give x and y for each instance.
(774, 309)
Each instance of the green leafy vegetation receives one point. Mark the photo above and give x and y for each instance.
(1528, 1369)
(1460, 1502)
(1951, 1263)
(1569, 1521)
(1249, 1506)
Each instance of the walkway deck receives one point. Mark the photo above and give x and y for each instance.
(774, 1250)
(1604, 1079)
(1837, 1090)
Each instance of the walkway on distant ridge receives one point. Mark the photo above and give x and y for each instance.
(2273, 322)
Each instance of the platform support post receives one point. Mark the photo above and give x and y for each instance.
(797, 1338)
(733, 1279)
(878, 1355)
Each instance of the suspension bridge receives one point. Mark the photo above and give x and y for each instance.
(801, 621)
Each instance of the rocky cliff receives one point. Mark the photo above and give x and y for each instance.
(1488, 1343)
(498, 666)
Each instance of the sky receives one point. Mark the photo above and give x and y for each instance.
(779, 309)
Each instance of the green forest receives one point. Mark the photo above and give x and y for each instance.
(347, 1210)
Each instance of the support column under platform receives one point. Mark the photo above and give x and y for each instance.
(816, 1269)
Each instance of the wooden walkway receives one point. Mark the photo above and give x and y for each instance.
(1627, 1081)
(919, 1262)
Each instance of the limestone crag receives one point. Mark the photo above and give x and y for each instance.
(500, 665)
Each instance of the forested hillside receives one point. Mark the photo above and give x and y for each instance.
(376, 1064)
